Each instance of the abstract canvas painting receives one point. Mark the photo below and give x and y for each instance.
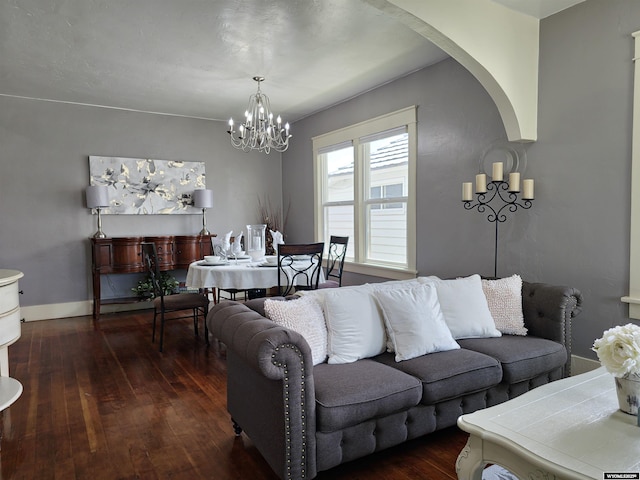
(144, 186)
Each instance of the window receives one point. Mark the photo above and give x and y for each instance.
(365, 189)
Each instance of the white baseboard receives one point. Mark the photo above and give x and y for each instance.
(75, 309)
(582, 365)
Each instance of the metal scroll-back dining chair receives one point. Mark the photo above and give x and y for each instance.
(163, 304)
(335, 262)
(299, 267)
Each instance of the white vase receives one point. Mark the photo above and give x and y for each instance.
(628, 390)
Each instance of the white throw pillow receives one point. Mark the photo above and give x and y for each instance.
(504, 297)
(465, 307)
(354, 325)
(414, 321)
(394, 284)
(304, 316)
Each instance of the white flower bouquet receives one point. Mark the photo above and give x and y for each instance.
(619, 350)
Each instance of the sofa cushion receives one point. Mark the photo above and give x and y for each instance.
(465, 307)
(522, 358)
(349, 394)
(414, 321)
(450, 374)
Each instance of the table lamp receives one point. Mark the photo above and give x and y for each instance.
(98, 197)
(203, 199)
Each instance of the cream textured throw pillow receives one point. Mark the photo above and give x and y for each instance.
(305, 317)
(504, 297)
(414, 321)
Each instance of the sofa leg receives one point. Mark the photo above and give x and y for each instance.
(236, 428)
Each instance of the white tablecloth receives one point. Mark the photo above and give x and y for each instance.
(242, 276)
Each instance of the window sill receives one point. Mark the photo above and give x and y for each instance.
(380, 271)
(634, 306)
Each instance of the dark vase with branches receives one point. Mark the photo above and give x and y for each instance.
(274, 218)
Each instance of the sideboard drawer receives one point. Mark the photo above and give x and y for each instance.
(9, 297)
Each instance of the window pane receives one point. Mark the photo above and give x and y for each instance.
(376, 192)
(392, 191)
(338, 220)
(340, 175)
(388, 164)
(387, 239)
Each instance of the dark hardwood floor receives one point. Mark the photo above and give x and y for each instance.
(100, 402)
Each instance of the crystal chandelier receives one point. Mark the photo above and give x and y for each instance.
(258, 131)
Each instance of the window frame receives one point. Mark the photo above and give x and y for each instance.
(407, 118)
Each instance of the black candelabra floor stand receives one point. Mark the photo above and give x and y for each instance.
(487, 202)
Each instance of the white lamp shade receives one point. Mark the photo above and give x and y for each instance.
(203, 198)
(97, 196)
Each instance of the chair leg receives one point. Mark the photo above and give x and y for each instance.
(161, 330)
(153, 331)
(206, 328)
(195, 321)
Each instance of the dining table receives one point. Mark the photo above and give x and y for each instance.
(242, 274)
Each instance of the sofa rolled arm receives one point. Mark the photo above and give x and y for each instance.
(548, 311)
(270, 390)
(255, 338)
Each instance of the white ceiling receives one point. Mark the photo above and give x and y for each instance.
(197, 57)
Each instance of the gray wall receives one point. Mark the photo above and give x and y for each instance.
(457, 120)
(577, 232)
(45, 169)
(580, 234)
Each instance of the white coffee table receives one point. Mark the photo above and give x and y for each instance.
(568, 429)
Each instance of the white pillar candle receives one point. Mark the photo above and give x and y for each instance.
(514, 182)
(527, 189)
(497, 176)
(481, 183)
(466, 191)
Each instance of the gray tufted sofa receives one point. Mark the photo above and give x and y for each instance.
(305, 419)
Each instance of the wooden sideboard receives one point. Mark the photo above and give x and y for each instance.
(124, 255)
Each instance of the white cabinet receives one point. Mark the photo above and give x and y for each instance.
(10, 388)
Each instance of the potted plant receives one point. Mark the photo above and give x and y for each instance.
(619, 352)
(145, 289)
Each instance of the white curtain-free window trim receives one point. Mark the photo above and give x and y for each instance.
(355, 136)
